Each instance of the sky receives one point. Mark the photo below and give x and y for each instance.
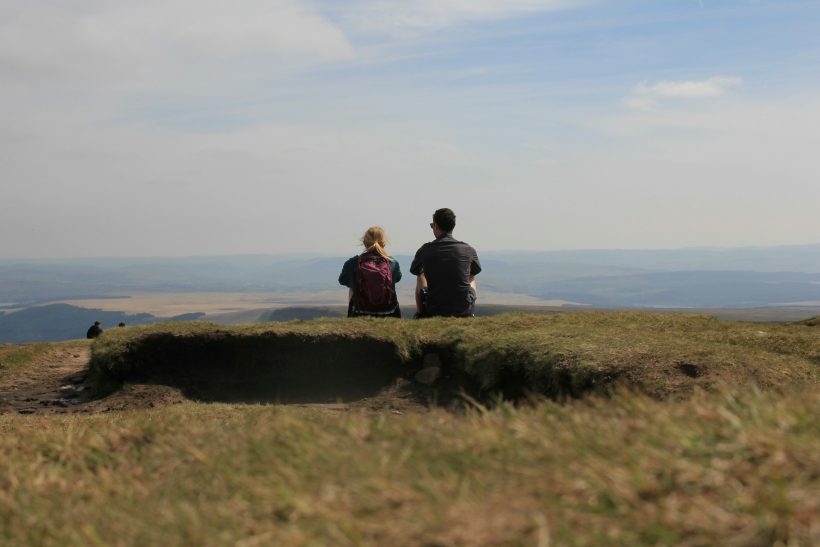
(202, 127)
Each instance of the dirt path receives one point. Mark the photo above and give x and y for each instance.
(57, 382)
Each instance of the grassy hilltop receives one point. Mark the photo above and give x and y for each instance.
(693, 431)
(513, 355)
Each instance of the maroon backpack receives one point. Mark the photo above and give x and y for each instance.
(375, 285)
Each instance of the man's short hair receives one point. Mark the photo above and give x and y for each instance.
(445, 219)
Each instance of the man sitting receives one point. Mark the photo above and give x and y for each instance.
(94, 330)
(445, 270)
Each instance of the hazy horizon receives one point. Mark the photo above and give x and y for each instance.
(408, 252)
(181, 128)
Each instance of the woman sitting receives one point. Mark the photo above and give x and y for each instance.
(371, 278)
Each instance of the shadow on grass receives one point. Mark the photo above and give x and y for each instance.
(299, 368)
(273, 369)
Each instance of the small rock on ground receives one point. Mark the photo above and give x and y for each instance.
(431, 360)
(428, 375)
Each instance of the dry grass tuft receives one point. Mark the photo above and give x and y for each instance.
(733, 467)
(733, 462)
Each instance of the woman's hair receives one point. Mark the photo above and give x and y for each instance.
(375, 240)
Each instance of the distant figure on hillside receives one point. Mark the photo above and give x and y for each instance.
(121, 324)
(94, 330)
(446, 270)
(371, 278)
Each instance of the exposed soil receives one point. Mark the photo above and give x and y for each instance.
(332, 371)
(58, 382)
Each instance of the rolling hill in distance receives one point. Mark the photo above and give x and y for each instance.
(742, 278)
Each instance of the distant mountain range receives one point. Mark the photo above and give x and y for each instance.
(696, 289)
(686, 278)
(583, 274)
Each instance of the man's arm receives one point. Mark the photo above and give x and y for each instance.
(475, 268)
(475, 265)
(421, 283)
(417, 269)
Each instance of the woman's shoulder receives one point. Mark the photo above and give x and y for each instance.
(353, 259)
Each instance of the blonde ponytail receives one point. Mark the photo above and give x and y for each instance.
(375, 240)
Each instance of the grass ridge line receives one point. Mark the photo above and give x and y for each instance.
(553, 355)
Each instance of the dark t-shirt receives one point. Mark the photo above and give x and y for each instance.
(448, 265)
(93, 331)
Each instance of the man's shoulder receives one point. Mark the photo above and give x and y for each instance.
(464, 244)
(424, 248)
(444, 242)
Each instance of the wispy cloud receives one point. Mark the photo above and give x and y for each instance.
(645, 95)
(388, 16)
(105, 41)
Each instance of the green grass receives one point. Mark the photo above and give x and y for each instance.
(553, 355)
(727, 454)
(811, 322)
(734, 467)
